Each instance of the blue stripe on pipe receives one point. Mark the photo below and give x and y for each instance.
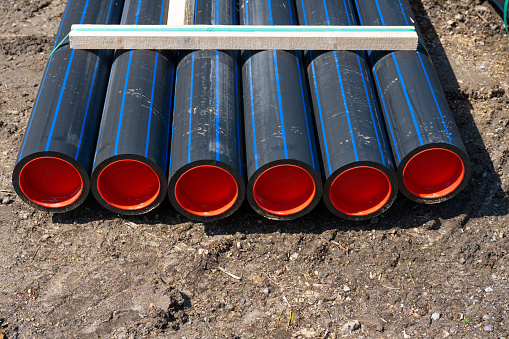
(371, 110)
(358, 12)
(326, 12)
(346, 107)
(59, 101)
(403, 11)
(238, 112)
(138, 12)
(306, 110)
(170, 120)
(217, 88)
(125, 86)
(304, 12)
(380, 12)
(88, 103)
(435, 98)
(174, 112)
(123, 102)
(63, 86)
(195, 6)
(303, 91)
(280, 105)
(190, 110)
(407, 99)
(320, 113)
(386, 115)
(163, 7)
(291, 13)
(252, 108)
(151, 108)
(147, 142)
(217, 106)
(62, 24)
(270, 13)
(347, 14)
(109, 12)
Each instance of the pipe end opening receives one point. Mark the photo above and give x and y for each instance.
(51, 182)
(206, 191)
(360, 191)
(433, 173)
(128, 184)
(284, 189)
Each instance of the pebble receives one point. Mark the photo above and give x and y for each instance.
(346, 288)
(294, 256)
(351, 326)
(488, 289)
(6, 201)
(486, 317)
(266, 291)
(320, 302)
(435, 316)
(488, 328)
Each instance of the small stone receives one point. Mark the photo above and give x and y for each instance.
(374, 221)
(266, 291)
(346, 288)
(488, 289)
(485, 174)
(294, 256)
(486, 317)
(488, 328)
(351, 326)
(435, 316)
(6, 201)
(431, 225)
(450, 22)
(239, 245)
(202, 251)
(452, 330)
(320, 302)
(45, 237)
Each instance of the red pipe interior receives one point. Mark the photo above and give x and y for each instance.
(50, 182)
(433, 173)
(360, 191)
(128, 184)
(284, 189)
(206, 191)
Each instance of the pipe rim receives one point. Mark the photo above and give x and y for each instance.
(218, 204)
(266, 179)
(379, 191)
(423, 178)
(60, 175)
(110, 189)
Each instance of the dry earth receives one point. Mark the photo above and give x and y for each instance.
(423, 271)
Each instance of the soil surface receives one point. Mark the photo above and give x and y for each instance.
(423, 271)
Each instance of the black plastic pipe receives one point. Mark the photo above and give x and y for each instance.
(130, 162)
(55, 158)
(282, 164)
(207, 152)
(357, 163)
(432, 163)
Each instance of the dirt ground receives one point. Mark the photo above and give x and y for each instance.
(423, 271)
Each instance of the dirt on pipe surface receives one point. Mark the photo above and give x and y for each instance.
(416, 271)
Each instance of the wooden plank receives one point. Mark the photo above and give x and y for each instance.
(243, 37)
(177, 12)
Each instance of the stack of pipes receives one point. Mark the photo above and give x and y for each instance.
(208, 127)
